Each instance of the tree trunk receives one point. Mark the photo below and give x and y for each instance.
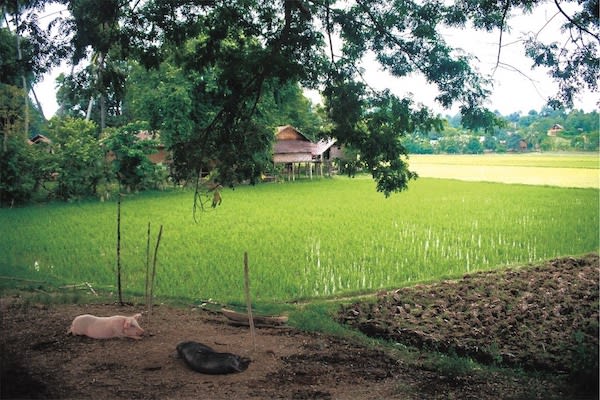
(23, 79)
(39, 105)
(102, 90)
(88, 114)
(102, 110)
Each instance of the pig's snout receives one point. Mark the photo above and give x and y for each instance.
(131, 327)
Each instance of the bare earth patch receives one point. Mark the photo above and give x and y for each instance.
(543, 318)
(535, 318)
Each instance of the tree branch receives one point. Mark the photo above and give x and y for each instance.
(328, 24)
(385, 32)
(515, 69)
(504, 12)
(545, 25)
(575, 23)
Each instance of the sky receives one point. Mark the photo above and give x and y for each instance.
(512, 91)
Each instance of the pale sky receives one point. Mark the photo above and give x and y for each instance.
(512, 92)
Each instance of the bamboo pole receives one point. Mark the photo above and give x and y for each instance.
(248, 302)
(119, 247)
(154, 272)
(146, 292)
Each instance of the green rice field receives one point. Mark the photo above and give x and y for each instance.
(305, 239)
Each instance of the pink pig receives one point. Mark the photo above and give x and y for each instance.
(106, 327)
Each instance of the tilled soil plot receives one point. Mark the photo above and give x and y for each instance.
(39, 360)
(540, 318)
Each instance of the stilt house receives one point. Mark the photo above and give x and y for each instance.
(297, 152)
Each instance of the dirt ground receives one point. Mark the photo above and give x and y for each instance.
(537, 319)
(543, 319)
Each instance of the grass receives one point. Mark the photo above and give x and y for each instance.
(305, 240)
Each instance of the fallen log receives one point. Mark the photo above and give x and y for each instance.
(241, 319)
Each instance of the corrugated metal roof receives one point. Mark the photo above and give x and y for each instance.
(39, 138)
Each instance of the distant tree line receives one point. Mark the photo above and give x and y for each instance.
(577, 131)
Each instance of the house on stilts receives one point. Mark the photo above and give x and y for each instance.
(298, 154)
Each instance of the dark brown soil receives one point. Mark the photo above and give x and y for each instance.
(542, 318)
(536, 318)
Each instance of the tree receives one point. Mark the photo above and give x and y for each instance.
(450, 145)
(578, 122)
(78, 91)
(285, 104)
(33, 52)
(474, 146)
(574, 63)
(95, 35)
(16, 180)
(230, 52)
(131, 165)
(80, 160)
(74, 93)
(513, 142)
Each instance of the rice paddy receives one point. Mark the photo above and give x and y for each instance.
(306, 239)
(565, 170)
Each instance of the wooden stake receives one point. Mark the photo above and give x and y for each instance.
(146, 292)
(248, 302)
(119, 247)
(154, 271)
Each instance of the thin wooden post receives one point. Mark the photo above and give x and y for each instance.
(154, 271)
(146, 292)
(119, 247)
(248, 302)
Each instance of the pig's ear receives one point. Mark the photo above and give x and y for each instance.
(127, 323)
(137, 316)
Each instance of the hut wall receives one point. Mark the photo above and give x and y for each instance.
(292, 158)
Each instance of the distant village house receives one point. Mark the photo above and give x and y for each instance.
(556, 128)
(39, 138)
(161, 156)
(295, 151)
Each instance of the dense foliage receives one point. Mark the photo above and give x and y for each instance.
(209, 74)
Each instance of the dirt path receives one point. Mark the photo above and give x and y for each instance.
(40, 361)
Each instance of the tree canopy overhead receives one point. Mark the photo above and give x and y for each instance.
(223, 56)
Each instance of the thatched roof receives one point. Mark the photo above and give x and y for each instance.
(322, 146)
(291, 145)
(288, 132)
(39, 138)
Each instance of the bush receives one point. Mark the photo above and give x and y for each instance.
(17, 177)
(80, 161)
(130, 162)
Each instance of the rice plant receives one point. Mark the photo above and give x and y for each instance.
(306, 239)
